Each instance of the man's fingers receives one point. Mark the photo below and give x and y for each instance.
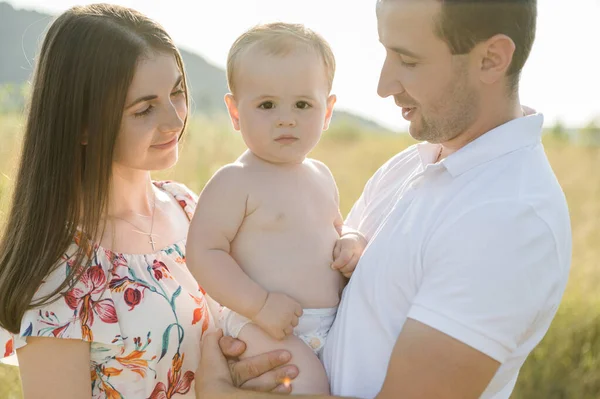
(254, 367)
(283, 388)
(278, 380)
(299, 311)
(231, 347)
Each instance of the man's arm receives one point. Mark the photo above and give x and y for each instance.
(425, 364)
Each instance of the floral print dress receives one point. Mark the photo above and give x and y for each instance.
(144, 316)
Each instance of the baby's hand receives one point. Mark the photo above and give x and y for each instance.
(347, 251)
(279, 315)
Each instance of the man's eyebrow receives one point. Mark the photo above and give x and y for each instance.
(403, 51)
(152, 96)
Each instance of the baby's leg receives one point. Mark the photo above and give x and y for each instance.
(312, 378)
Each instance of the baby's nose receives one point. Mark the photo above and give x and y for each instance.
(286, 122)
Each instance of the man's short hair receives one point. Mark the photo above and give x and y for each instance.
(462, 24)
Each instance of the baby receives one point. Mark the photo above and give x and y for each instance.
(267, 240)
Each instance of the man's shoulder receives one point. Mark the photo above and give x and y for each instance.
(408, 154)
(398, 166)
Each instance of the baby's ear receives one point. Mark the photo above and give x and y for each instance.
(234, 114)
(330, 103)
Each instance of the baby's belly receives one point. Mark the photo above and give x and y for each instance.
(294, 263)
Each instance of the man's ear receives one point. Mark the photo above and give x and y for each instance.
(330, 103)
(232, 108)
(496, 55)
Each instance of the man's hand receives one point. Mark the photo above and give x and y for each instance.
(279, 315)
(218, 376)
(347, 252)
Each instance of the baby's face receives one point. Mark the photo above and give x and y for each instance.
(281, 104)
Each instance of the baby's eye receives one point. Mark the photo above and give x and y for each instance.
(267, 105)
(302, 105)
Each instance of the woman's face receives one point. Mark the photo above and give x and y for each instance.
(154, 115)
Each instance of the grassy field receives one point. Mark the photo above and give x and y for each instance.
(566, 365)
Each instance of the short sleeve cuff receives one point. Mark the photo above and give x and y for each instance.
(460, 332)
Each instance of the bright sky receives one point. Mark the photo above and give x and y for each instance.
(561, 78)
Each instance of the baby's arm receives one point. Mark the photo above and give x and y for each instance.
(220, 212)
(351, 244)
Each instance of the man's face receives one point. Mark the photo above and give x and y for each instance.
(436, 90)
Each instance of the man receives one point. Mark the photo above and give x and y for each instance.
(469, 234)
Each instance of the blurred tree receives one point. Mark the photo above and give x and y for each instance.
(590, 134)
(559, 132)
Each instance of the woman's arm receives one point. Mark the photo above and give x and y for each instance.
(53, 368)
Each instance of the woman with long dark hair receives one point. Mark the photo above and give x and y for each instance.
(94, 250)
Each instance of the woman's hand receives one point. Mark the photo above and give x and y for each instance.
(220, 373)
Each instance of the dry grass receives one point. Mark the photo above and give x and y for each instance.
(567, 362)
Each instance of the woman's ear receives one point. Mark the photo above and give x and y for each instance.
(234, 114)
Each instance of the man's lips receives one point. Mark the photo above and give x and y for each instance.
(408, 113)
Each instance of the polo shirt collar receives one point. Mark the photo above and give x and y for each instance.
(509, 137)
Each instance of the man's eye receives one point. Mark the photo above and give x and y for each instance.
(408, 64)
(302, 105)
(267, 105)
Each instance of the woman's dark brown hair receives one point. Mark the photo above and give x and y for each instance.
(85, 67)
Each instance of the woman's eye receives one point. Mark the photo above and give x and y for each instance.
(144, 112)
(267, 105)
(302, 105)
(178, 92)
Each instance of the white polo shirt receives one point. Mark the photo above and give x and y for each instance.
(477, 246)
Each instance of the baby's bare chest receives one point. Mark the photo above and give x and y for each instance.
(296, 204)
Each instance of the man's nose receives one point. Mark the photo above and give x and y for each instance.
(388, 81)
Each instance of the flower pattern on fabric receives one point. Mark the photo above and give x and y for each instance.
(144, 316)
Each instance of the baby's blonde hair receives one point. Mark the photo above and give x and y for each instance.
(279, 38)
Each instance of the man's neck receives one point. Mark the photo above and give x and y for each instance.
(492, 115)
